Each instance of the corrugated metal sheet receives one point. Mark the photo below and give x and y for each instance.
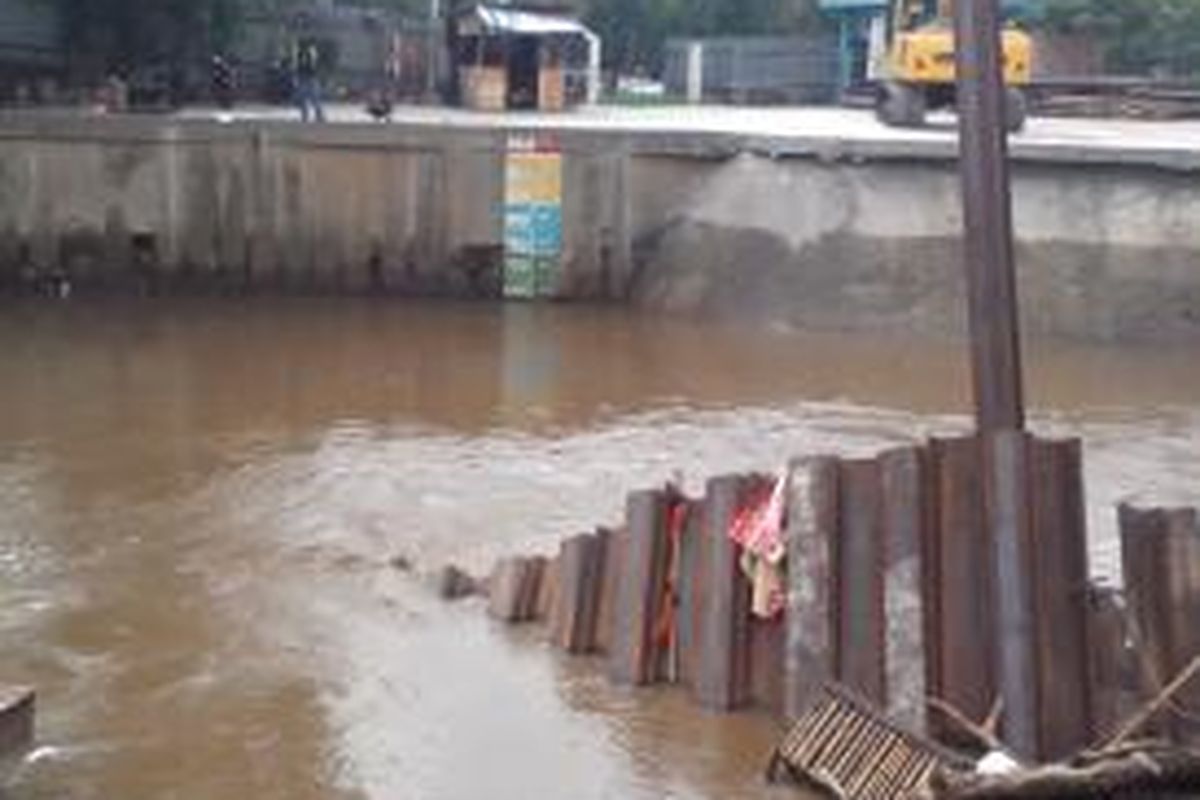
(525, 23)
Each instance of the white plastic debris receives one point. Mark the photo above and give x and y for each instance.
(996, 763)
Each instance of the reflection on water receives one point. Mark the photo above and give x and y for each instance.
(198, 503)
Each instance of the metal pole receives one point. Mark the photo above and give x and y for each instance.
(996, 359)
(987, 213)
(431, 66)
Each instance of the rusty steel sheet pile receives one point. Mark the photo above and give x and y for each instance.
(886, 638)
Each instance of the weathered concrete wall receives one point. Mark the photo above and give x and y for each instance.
(147, 206)
(817, 234)
(157, 206)
(1106, 252)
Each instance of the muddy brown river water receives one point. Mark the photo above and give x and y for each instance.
(199, 502)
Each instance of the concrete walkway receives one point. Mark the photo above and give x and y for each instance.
(1071, 139)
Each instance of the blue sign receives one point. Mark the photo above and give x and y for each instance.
(533, 229)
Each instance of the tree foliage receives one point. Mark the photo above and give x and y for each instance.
(124, 34)
(1139, 36)
(634, 31)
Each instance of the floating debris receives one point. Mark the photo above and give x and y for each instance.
(844, 747)
(1145, 770)
(402, 563)
(1121, 767)
(455, 584)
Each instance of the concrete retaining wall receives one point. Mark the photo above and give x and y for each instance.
(1105, 252)
(139, 205)
(815, 234)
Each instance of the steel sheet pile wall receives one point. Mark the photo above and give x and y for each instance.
(658, 602)
(1160, 550)
(962, 626)
(889, 570)
(16, 719)
(722, 599)
(640, 565)
(1059, 572)
(1112, 702)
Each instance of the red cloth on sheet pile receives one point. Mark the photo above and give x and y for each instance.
(666, 627)
(758, 529)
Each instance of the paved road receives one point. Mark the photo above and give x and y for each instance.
(849, 125)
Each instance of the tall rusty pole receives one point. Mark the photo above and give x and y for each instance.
(996, 359)
(987, 213)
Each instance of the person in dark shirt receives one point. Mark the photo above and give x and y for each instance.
(308, 82)
(222, 82)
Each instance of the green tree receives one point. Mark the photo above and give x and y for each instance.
(103, 35)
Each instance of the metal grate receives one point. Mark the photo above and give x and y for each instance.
(844, 746)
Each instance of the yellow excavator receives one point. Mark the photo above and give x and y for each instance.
(917, 72)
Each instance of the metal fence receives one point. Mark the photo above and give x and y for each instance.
(757, 69)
